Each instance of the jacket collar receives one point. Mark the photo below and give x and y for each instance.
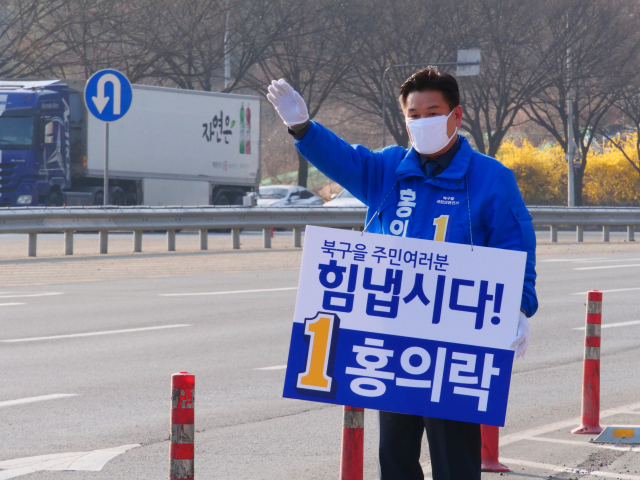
(410, 165)
(442, 161)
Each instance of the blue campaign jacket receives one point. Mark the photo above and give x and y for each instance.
(499, 217)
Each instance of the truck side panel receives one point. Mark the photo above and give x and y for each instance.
(180, 134)
(175, 192)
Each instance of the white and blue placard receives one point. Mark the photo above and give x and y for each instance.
(405, 325)
(108, 95)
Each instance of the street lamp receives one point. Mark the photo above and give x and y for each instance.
(468, 64)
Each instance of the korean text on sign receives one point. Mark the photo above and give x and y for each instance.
(405, 325)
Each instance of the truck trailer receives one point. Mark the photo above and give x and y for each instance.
(173, 147)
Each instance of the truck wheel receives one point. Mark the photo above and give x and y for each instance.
(54, 199)
(119, 198)
(222, 200)
(98, 198)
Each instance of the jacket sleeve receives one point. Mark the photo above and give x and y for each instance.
(510, 226)
(355, 167)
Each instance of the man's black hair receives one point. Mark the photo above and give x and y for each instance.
(430, 79)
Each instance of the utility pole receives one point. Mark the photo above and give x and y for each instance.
(227, 50)
(571, 145)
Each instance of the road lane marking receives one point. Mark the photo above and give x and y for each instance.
(617, 476)
(552, 427)
(549, 260)
(618, 324)
(610, 291)
(275, 367)
(543, 466)
(92, 334)
(608, 266)
(561, 425)
(41, 398)
(10, 304)
(73, 461)
(19, 295)
(96, 460)
(582, 444)
(557, 468)
(225, 293)
(600, 260)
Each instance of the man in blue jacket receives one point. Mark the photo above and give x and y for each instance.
(440, 189)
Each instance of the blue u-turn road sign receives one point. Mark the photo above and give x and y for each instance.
(108, 95)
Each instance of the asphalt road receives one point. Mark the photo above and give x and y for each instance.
(121, 381)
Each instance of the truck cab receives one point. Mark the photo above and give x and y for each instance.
(35, 143)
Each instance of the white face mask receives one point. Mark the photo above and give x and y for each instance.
(429, 134)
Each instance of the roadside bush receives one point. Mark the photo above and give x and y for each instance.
(541, 173)
(610, 179)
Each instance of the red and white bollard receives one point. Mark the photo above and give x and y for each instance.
(490, 462)
(182, 431)
(591, 372)
(352, 444)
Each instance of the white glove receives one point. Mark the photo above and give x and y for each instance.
(289, 104)
(522, 337)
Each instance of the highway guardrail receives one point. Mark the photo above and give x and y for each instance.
(68, 220)
(581, 217)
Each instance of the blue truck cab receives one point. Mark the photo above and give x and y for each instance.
(43, 148)
(35, 143)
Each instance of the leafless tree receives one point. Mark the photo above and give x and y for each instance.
(516, 60)
(101, 34)
(397, 33)
(629, 105)
(258, 28)
(314, 56)
(602, 35)
(27, 36)
(189, 38)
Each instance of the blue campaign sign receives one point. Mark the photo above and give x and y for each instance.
(399, 374)
(405, 325)
(108, 95)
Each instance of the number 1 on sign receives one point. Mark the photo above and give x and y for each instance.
(321, 331)
(441, 223)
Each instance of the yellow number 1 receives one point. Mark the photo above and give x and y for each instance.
(321, 332)
(441, 223)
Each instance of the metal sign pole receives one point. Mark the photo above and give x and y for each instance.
(106, 164)
(108, 105)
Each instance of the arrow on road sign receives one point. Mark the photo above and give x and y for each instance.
(97, 98)
(86, 461)
(101, 101)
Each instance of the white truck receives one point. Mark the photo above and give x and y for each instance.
(173, 147)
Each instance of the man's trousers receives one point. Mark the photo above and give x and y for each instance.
(455, 448)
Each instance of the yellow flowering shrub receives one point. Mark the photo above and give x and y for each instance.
(609, 178)
(541, 173)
